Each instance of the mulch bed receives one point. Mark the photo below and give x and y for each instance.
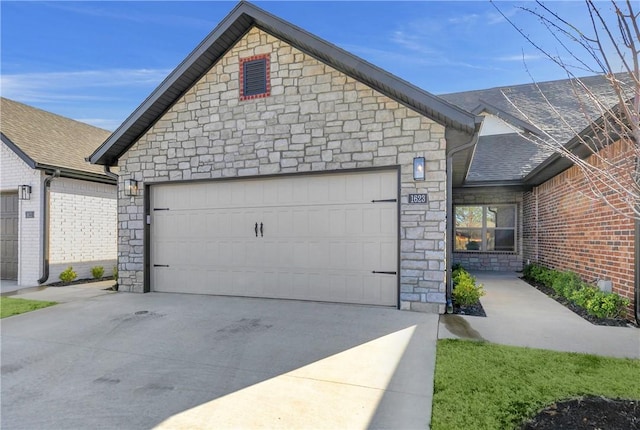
(588, 413)
(80, 281)
(473, 310)
(612, 322)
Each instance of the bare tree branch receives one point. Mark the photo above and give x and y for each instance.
(610, 125)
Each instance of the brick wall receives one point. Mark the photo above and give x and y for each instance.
(316, 119)
(497, 261)
(572, 231)
(14, 172)
(82, 227)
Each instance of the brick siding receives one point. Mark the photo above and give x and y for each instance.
(572, 231)
(82, 227)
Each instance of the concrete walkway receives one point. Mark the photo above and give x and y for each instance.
(520, 315)
(65, 294)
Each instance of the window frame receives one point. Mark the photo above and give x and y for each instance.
(484, 228)
(242, 64)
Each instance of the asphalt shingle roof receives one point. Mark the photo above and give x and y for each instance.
(50, 139)
(511, 157)
(504, 157)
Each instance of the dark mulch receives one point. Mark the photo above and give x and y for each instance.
(80, 281)
(588, 413)
(612, 322)
(473, 310)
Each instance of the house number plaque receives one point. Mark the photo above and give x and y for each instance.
(416, 199)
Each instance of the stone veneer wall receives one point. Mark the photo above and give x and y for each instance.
(496, 261)
(316, 119)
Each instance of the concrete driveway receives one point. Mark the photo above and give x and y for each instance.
(186, 361)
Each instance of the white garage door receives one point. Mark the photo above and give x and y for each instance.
(314, 237)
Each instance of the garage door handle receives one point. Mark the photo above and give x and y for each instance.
(256, 229)
(261, 233)
(385, 273)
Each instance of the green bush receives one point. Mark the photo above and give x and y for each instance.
(581, 296)
(528, 271)
(606, 305)
(566, 283)
(68, 275)
(97, 272)
(465, 291)
(540, 274)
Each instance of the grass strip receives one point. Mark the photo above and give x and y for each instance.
(479, 385)
(10, 306)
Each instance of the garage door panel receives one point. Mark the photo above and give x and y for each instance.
(322, 238)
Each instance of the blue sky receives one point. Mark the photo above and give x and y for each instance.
(97, 61)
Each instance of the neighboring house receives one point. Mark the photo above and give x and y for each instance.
(57, 209)
(271, 163)
(521, 203)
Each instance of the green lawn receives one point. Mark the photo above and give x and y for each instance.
(10, 306)
(479, 385)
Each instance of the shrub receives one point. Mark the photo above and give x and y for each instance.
(606, 305)
(528, 271)
(68, 275)
(581, 296)
(97, 272)
(115, 273)
(542, 275)
(566, 283)
(465, 291)
(548, 276)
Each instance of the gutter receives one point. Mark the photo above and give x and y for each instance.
(109, 173)
(44, 209)
(449, 242)
(78, 174)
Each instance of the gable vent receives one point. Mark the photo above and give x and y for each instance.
(254, 76)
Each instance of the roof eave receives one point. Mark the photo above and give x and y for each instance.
(516, 184)
(19, 152)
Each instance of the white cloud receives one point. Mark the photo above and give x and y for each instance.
(411, 42)
(98, 97)
(77, 85)
(464, 19)
(520, 57)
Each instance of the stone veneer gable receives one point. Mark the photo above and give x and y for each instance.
(316, 119)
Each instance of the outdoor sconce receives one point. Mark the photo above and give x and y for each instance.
(24, 192)
(418, 169)
(130, 187)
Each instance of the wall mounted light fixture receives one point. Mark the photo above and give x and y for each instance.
(130, 187)
(24, 192)
(418, 169)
